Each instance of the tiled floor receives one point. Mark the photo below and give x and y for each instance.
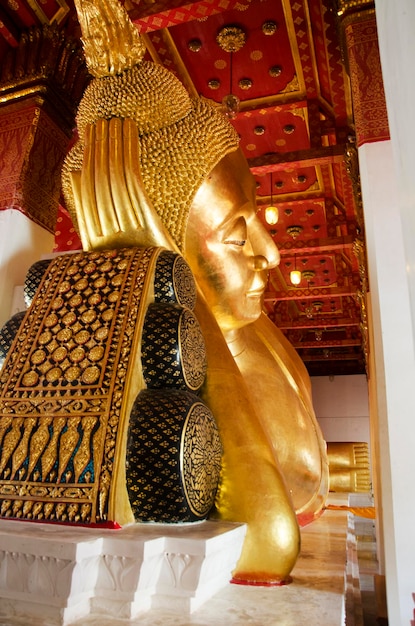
(368, 568)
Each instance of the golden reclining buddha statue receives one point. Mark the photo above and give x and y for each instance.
(157, 177)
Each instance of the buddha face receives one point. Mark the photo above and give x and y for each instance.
(227, 247)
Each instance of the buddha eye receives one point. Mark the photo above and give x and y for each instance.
(236, 242)
(237, 233)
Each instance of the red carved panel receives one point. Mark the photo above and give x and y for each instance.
(17, 129)
(369, 102)
(32, 148)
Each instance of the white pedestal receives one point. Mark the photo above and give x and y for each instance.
(60, 574)
(147, 575)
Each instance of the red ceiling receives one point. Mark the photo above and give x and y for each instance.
(294, 123)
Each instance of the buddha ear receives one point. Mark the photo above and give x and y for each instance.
(111, 204)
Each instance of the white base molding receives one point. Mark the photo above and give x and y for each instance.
(60, 574)
(148, 575)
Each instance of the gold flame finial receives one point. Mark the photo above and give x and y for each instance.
(111, 42)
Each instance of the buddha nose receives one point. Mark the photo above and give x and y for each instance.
(266, 254)
(259, 263)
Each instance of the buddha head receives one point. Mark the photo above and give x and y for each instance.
(192, 170)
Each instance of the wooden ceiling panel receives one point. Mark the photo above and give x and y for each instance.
(269, 130)
(262, 68)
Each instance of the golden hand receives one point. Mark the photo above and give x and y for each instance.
(112, 207)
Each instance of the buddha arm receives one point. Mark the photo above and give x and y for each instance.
(252, 488)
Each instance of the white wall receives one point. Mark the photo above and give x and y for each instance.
(22, 242)
(342, 407)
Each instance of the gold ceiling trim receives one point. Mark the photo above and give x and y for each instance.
(60, 14)
(270, 101)
(286, 5)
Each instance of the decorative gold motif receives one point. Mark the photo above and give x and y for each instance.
(195, 45)
(63, 399)
(20, 453)
(173, 349)
(231, 38)
(200, 459)
(174, 281)
(245, 84)
(292, 86)
(38, 442)
(269, 27)
(173, 457)
(83, 454)
(294, 231)
(275, 71)
(192, 350)
(308, 274)
(214, 83)
(351, 160)
(360, 253)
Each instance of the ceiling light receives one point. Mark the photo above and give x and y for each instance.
(271, 212)
(295, 277)
(271, 215)
(295, 274)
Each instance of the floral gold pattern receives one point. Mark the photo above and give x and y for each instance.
(172, 433)
(61, 402)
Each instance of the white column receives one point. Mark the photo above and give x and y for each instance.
(395, 373)
(22, 242)
(396, 27)
(396, 281)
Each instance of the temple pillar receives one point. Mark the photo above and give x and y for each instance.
(361, 55)
(41, 82)
(383, 93)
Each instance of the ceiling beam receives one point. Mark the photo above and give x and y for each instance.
(316, 245)
(301, 158)
(312, 323)
(8, 30)
(310, 293)
(320, 345)
(333, 356)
